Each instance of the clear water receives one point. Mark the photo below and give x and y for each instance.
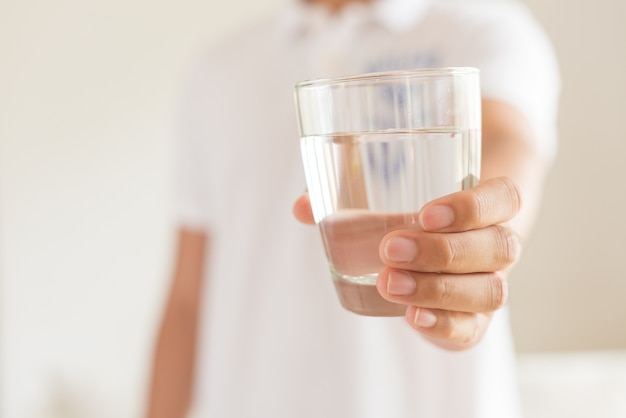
(363, 186)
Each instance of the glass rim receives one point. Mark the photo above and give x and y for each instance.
(387, 75)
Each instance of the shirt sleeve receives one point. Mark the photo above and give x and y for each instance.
(191, 151)
(518, 66)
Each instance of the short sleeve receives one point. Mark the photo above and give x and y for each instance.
(518, 66)
(191, 150)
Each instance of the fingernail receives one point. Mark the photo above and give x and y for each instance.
(437, 217)
(400, 250)
(400, 284)
(425, 318)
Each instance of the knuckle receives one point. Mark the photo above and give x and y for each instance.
(444, 292)
(479, 207)
(501, 200)
(447, 328)
(434, 291)
(460, 330)
(508, 245)
(451, 252)
(463, 331)
(472, 337)
(512, 193)
(498, 291)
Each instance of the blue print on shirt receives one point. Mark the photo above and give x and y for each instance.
(385, 159)
(397, 96)
(405, 61)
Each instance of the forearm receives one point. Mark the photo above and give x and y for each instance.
(173, 365)
(509, 150)
(172, 370)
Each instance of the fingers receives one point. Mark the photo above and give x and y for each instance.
(488, 249)
(494, 201)
(477, 293)
(450, 330)
(453, 311)
(447, 271)
(302, 210)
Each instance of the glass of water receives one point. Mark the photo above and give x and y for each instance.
(375, 148)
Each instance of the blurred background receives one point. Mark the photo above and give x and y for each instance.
(88, 91)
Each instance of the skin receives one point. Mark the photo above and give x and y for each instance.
(335, 5)
(453, 276)
(452, 270)
(175, 350)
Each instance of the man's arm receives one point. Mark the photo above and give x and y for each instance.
(457, 276)
(452, 271)
(174, 356)
(510, 150)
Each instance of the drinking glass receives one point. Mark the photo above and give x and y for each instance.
(375, 148)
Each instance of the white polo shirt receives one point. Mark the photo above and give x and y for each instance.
(274, 341)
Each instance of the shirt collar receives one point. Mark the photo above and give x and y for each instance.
(398, 15)
(393, 15)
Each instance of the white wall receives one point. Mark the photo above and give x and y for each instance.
(87, 91)
(568, 293)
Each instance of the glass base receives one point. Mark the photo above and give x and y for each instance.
(359, 295)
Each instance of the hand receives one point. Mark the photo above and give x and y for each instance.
(450, 270)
